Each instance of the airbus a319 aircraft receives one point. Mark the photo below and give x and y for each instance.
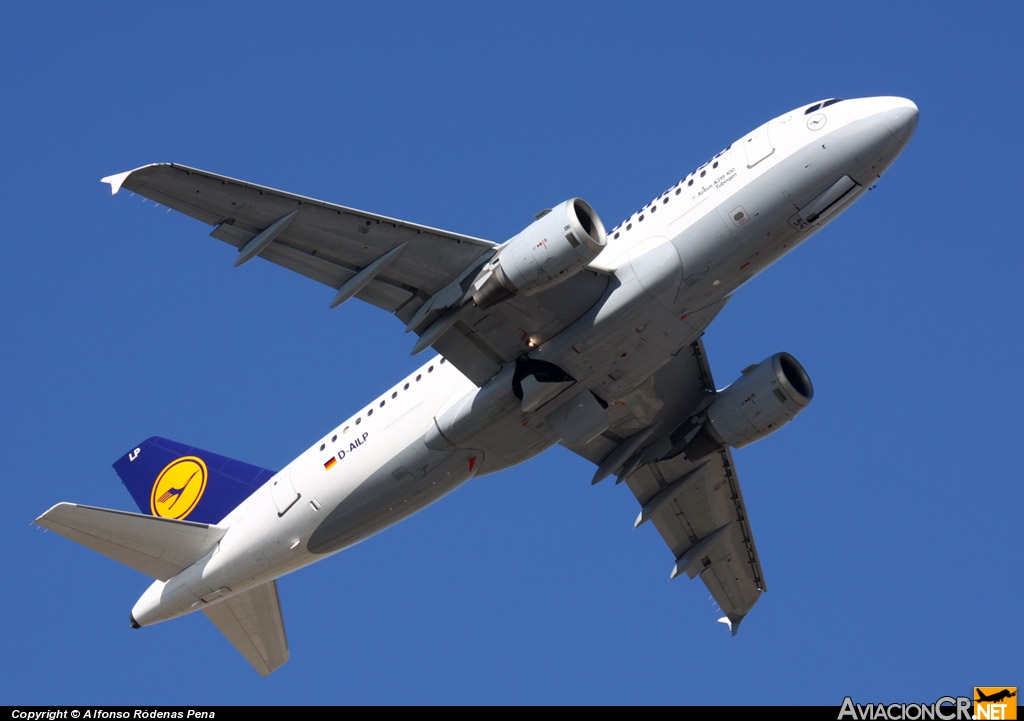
(565, 333)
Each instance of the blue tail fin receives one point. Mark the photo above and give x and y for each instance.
(172, 480)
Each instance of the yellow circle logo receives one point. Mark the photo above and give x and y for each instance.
(178, 488)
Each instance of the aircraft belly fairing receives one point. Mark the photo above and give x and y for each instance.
(409, 481)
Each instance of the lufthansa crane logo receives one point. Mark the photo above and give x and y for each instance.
(178, 488)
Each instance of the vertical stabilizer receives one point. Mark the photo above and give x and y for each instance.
(172, 480)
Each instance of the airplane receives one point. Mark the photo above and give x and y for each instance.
(565, 333)
(996, 697)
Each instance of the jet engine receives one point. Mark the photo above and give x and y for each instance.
(559, 244)
(766, 397)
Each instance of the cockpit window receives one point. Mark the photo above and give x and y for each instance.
(822, 105)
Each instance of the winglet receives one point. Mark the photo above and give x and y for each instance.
(733, 627)
(116, 180)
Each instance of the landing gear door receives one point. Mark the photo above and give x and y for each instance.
(284, 493)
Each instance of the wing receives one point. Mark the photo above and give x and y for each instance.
(696, 506)
(415, 272)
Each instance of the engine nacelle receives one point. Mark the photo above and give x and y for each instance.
(556, 246)
(766, 397)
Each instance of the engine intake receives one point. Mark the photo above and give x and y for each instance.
(766, 397)
(554, 247)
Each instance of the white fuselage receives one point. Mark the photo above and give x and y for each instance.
(674, 263)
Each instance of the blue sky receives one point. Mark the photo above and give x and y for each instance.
(885, 515)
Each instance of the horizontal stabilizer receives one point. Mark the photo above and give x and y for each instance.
(253, 623)
(157, 547)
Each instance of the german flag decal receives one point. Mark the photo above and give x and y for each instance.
(330, 463)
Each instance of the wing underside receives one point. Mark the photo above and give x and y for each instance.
(705, 525)
(416, 272)
(696, 505)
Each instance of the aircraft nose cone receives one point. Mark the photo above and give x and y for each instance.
(901, 118)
